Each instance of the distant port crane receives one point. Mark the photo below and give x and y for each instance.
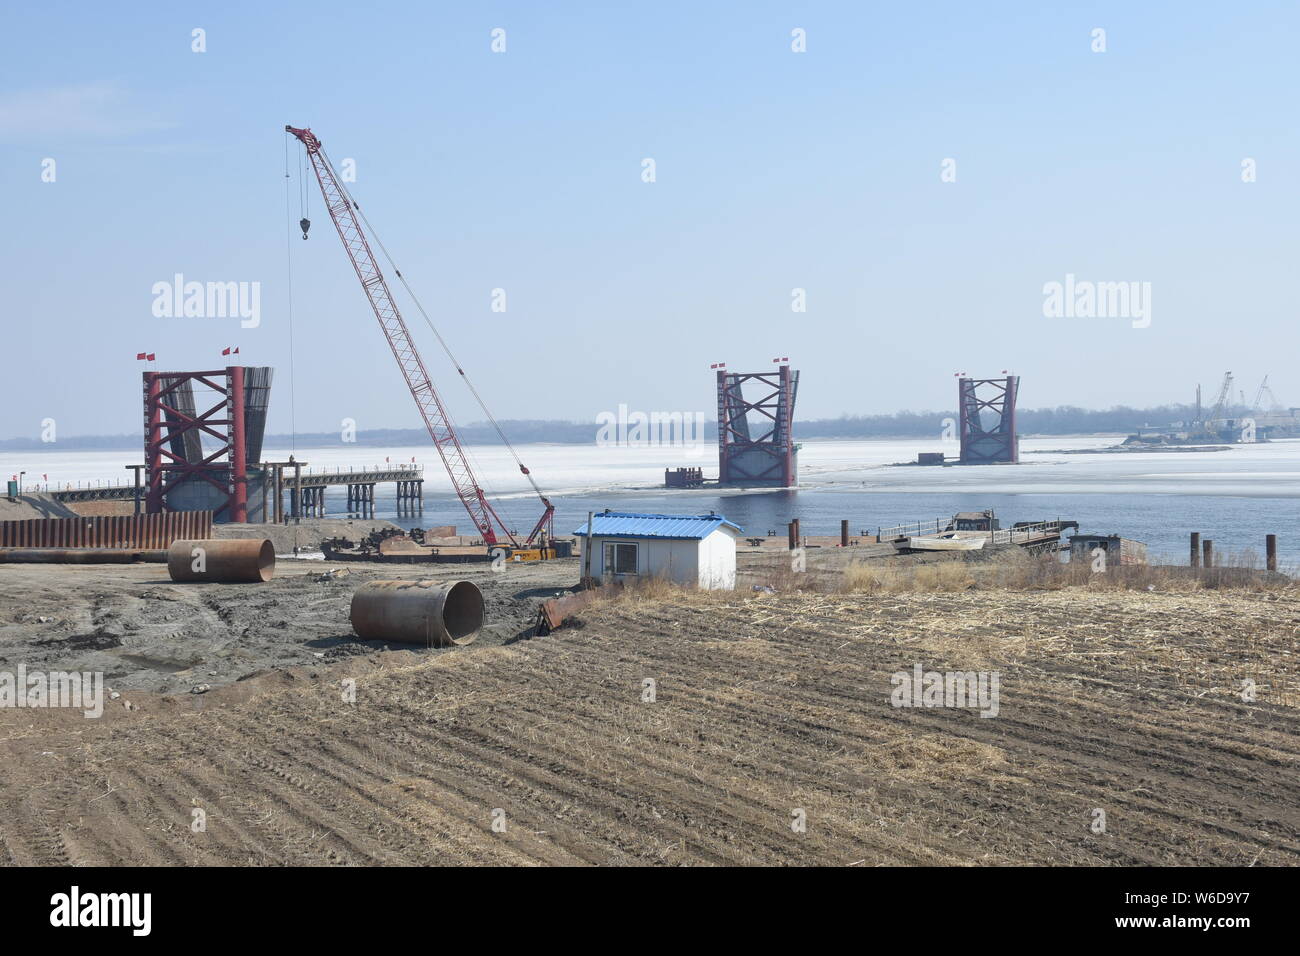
(1266, 390)
(1207, 426)
(347, 216)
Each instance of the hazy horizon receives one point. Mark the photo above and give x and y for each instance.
(472, 431)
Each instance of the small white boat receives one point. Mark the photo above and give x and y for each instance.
(944, 541)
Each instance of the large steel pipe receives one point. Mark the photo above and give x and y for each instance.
(232, 561)
(432, 613)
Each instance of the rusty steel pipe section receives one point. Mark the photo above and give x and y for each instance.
(231, 561)
(432, 613)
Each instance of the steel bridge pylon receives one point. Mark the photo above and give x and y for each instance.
(175, 459)
(988, 420)
(772, 458)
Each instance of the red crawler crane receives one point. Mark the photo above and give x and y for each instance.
(344, 210)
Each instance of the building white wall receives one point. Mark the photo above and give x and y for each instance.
(708, 563)
(717, 560)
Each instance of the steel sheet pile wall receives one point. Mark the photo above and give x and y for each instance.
(257, 397)
(128, 531)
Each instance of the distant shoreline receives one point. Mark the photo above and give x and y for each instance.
(1063, 422)
(414, 437)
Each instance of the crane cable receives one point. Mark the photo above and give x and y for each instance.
(441, 341)
(288, 258)
(304, 200)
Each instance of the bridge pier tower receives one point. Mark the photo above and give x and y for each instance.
(361, 499)
(410, 496)
(313, 501)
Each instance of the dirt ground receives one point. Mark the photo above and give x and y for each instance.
(767, 710)
(143, 632)
(28, 506)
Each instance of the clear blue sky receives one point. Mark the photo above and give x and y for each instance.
(775, 170)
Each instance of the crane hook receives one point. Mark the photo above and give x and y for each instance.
(304, 225)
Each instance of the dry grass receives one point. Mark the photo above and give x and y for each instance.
(939, 576)
(643, 590)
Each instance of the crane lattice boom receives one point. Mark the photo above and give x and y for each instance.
(343, 210)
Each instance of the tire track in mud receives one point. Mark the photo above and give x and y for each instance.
(750, 721)
(314, 822)
(35, 829)
(760, 814)
(1176, 773)
(418, 718)
(234, 832)
(496, 755)
(209, 776)
(344, 787)
(357, 790)
(826, 683)
(467, 803)
(997, 739)
(764, 816)
(564, 781)
(173, 793)
(133, 825)
(1067, 752)
(237, 785)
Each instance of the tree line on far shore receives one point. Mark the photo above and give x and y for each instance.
(1062, 420)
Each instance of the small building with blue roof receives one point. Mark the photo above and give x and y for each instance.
(695, 550)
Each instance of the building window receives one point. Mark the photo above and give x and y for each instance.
(620, 558)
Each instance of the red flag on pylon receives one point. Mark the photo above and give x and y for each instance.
(228, 351)
(150, 356)
(140, 356)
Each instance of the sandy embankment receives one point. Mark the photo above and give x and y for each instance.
(33, 506)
